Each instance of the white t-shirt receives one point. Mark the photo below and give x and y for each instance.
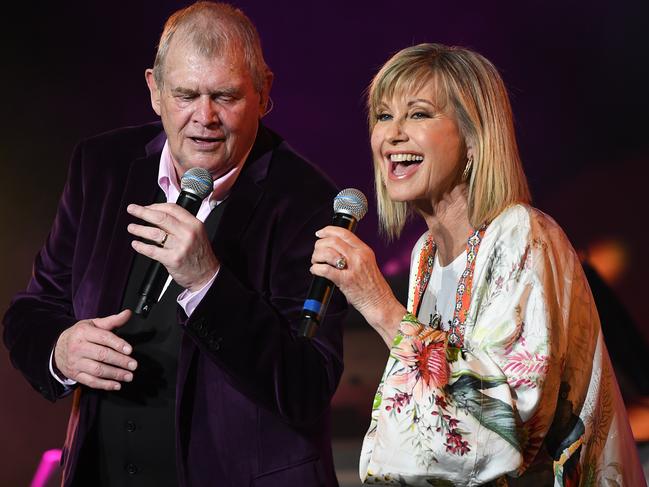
(439, 296)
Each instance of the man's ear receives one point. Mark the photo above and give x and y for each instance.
(153, 89)
(264, 96)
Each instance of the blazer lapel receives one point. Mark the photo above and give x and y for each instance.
(141, 189)
(237, 213)
(244, 196)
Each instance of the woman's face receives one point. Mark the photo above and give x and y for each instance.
(418, 147)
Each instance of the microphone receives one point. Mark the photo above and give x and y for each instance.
(350, 205)
(195, 185)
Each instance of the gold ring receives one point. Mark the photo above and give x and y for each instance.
(164, 240)
(341, 263)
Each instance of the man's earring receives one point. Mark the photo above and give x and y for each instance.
(467, 169)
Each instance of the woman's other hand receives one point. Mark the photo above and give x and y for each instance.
(359, 279)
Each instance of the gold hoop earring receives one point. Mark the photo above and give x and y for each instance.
(467, 169)
(268, 109)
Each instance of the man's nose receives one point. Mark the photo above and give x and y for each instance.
(207, 111)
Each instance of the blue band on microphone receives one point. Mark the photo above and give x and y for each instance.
(313, 305)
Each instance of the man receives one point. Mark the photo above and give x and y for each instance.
(218, 390)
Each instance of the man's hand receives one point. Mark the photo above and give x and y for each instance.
(187, 252)
(90, 353)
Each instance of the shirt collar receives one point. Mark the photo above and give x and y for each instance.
(169, 183)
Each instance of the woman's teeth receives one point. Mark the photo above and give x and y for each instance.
(403, 164)
(406, 158)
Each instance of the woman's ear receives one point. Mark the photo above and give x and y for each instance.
(468, 168)
(470, 152)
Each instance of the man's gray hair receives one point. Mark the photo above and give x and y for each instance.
(214, 29)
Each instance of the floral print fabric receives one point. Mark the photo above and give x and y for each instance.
(528, 399)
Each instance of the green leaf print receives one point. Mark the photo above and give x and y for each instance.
(377, 401)
(491, 413)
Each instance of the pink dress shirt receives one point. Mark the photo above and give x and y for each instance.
(168, 182)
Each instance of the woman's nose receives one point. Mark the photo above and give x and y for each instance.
(395, 132)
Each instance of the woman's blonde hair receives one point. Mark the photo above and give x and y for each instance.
(477, 94)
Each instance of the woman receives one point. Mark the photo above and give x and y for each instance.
(497, 369)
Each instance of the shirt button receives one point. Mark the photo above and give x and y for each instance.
(130, 426)
(131, 469)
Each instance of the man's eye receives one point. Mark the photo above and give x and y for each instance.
(225, 98)
(383, 117)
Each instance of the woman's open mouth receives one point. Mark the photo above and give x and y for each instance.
(403, 164)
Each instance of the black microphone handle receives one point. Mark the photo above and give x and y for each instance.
(315, 306)
(156, 274)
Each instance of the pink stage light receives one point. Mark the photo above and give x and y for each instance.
(49, 464)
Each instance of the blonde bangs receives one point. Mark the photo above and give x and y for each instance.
(405, 75)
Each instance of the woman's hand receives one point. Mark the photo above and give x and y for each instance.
(360, 280)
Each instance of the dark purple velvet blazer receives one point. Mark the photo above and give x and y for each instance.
(252, 400)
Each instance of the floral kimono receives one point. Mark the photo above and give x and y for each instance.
(519, 390)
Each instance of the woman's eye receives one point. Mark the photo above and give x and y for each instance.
(418, 115)
(382, 117)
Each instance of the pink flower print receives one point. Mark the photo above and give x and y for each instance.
(447, 424)
(410, 328)
(524, 368)
(425, 364)
(455, 444)
(440, 401)
(400, 400)
(500, 280)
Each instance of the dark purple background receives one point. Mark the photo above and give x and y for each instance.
(577, 73)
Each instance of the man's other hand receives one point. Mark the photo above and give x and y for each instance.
(90, 353)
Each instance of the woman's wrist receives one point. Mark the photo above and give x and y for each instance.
(386, 319)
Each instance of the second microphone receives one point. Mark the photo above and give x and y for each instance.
(350, 206)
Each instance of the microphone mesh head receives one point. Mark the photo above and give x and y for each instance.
(352, 202)
(197, 181)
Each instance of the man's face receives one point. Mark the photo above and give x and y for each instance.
(209, 108)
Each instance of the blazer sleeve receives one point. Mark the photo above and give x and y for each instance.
(37, 316)
(252, 335)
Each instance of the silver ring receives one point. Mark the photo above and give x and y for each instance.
(341, 263)
(164, 240)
